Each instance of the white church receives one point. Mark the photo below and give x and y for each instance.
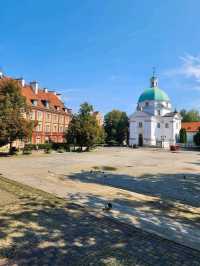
(154, 123)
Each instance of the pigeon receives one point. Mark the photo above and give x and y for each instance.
(108, 206)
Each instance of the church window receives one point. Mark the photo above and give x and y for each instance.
(140, 124)
(166, 125)
(158, 125)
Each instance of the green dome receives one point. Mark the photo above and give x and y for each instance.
(154, 94)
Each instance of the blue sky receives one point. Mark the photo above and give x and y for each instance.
(103, 51)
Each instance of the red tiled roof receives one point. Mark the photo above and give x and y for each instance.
(53, 100)
(191, 126)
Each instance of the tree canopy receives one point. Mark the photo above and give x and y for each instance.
(197, 138)
(183, 135)
(192, 115)
(116, 127)
(13, 113)
(84, 130)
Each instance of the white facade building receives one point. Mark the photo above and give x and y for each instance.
(154, 123)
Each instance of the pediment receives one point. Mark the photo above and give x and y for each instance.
(139, 114)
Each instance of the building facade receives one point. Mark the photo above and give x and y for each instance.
(191, 130)
(99, 118)
(154, 123)
(49, 113)
(47, 110)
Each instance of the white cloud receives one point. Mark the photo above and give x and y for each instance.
(190, 68)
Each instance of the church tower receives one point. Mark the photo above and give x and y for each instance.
(154, 123)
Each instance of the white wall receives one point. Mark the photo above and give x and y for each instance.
(153, 135)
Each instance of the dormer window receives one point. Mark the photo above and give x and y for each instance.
(57, 108)
(45, 103)
(34, 102)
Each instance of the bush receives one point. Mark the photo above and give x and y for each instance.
(183, 135)
(112, 143)
(27, 149)
(30, 146)
(47, 147)
(14, 151)
(60, 146)
(197, 138)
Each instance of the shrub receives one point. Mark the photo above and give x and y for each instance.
(60, 146)
(14, 151)
(47, 147)
(27, 149)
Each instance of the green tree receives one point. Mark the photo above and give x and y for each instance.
(13, 113)
(197, 138)
(116, 127)
(183, 135)
(190, 116)
(84, 130)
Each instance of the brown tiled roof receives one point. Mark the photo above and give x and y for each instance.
(191, 126)
(41, 96)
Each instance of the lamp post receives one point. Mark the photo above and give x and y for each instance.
(162, 141)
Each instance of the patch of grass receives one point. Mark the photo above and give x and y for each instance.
(105, 168)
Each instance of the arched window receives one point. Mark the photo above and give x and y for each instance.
(140, 124)
(166, 125)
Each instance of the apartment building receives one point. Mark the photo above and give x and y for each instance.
(48, 111)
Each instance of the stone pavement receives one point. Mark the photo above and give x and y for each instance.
(43, 230)
(62, 176)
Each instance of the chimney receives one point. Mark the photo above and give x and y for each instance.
(1, 74)
(35, 86)
(58, 95)
(45, 90)
(22, 81)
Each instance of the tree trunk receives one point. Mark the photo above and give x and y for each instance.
(10, 147)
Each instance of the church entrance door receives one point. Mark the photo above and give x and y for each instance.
(140, 140)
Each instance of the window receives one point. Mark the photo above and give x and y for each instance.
(61, 129)
(32, 115)
(166, 125)
(158, 125)
(55, 128)
(45, 103)
(62, 119)
(158, 112)
(34, 102)
(39, 126)
(55, 118)
(38, 140)
(140, 124)
(47, 128)
(57, 108)
(48, 117)
(147, 104)
(39, 116)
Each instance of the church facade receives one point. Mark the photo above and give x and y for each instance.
(154, 123)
